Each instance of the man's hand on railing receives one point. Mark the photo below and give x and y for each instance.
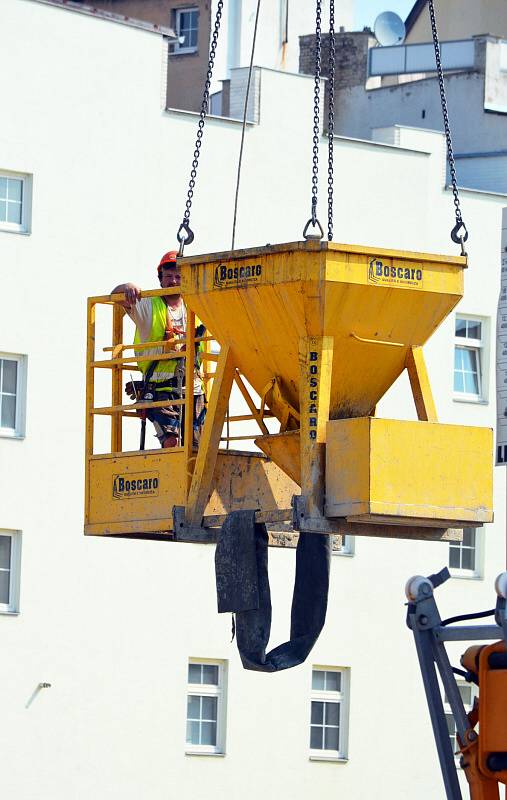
(131, 291)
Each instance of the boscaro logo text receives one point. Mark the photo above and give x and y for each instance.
(394, 275)
(140, 484)
(232, 275)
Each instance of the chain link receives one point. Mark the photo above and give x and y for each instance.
(185, 225)
(316, 111)
(330, 132)
(459, 233)
(313, 222)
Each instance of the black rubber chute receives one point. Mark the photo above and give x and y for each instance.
(236, 564)
(241, 567)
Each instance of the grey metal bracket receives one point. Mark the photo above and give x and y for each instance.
(185, 533)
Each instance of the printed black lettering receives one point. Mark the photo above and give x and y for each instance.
(407, 275)
(313, 382)
(386, 272)
(312, 408)
(121, 484)
(400, 272)
(418, 274)
(155, 483)
(313, 422)
(314, 356)
(313, 395)
(393, 272)
(313, 369)
(223, 273)
(412, 274)
(313, 434)
(258, 270)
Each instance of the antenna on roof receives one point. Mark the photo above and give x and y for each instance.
(389, 29)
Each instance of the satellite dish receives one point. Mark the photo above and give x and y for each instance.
(389, 29)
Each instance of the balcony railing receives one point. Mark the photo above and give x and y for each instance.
(417, 58)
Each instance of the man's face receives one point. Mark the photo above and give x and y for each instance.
(170, 277)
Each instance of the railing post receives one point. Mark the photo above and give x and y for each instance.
(116, 382)
(189, 396)
(90, 399)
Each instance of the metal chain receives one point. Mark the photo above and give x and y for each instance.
(313, 221)
(330, 125)
(459, 233)
(185, 234)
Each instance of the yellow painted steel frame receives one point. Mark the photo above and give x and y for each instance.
(293, 321)
(203, 481)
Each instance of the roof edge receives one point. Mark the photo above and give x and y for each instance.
(414, 14)
(109, 16)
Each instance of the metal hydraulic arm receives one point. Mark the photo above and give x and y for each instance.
(484, 752)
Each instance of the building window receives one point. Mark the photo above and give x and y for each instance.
(347, 546)
(12, 395)
(468, 693)
(187, 29)
(15, 202)
(10, 558)
(469, 358)
(464, 557)
(206, 696)
(329, 713)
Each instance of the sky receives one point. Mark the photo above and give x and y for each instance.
(368, 10)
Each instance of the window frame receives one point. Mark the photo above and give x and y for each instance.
(179, 49)
(342, 698)
(26, 203)
(210, 690)
(479, 347)
(12, 607)
(19, 430)
(348, 547)
(477, 572)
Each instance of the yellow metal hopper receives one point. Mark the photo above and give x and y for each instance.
(376, 304)
(321, 331)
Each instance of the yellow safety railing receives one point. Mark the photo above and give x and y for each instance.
(121, 359)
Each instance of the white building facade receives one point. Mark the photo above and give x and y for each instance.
(113, 650)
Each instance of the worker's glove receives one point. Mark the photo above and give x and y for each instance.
(134, 389)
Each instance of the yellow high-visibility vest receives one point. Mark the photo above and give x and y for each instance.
(164, 370)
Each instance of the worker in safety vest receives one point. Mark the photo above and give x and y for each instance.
(156, 319)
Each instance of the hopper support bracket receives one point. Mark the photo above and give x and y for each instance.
(342, 526)
(185, 532)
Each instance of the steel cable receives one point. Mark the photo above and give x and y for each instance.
(330, 126)
(245, 112)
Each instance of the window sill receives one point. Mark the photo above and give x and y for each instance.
(7, 613)
(478, 401)
(184, 53)
(15, 230)
(203, 753)
(472, 576)
(7, 435)
(334, 759)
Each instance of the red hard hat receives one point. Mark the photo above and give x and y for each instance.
(168, 258)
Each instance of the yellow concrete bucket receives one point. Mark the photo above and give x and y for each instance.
(375, 304)
(362, 315)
